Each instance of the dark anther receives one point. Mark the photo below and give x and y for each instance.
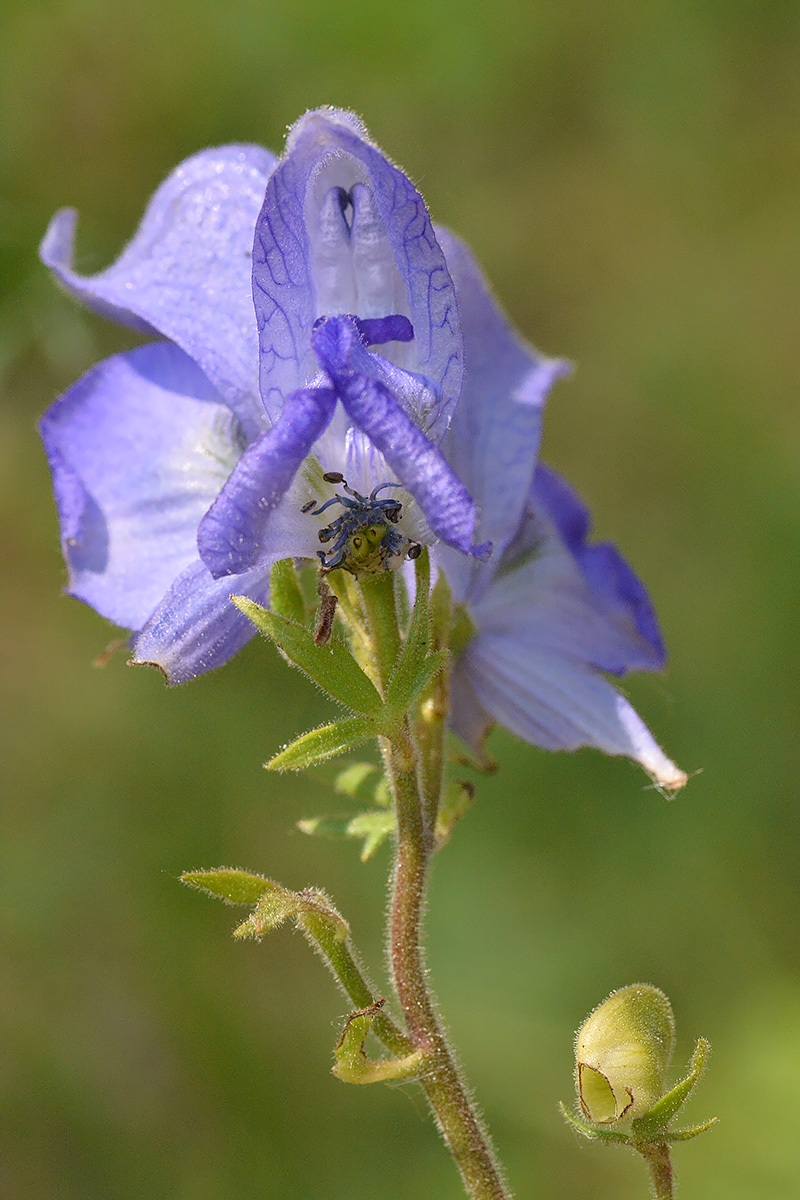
(362, 535)
(307, 507)
(414, 550)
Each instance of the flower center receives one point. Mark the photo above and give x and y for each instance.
(364, 535)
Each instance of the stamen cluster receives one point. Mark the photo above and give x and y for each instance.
(365, 534)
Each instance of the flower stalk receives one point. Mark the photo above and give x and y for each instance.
(458, 1121)
(657, 1157)
(333, 383)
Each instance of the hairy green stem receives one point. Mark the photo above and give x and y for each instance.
(463, 1131)
(456, 1116)
(658, 1160)
(350, 977)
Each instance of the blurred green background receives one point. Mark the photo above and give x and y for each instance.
(628, 175)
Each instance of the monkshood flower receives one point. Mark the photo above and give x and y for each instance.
(548, 613)
(264, 424)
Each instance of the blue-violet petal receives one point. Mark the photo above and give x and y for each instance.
(139, 447)
(187, 272)
(232, 534)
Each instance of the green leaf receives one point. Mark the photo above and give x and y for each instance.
(285, 597)
(412, 677)
(330, 826)
(355, 785)
(692, 1131)
(591, 1131)
(356, 780)
(417, 665)
(441, 610)
(646, 1127)
(323, 743)
(383, 793)
(273, 903)
(229, 884)
(331, 666)
(373, 827)
(418, 639)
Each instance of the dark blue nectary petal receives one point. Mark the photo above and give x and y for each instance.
(540, 597)
(187, 272)
(415, 461)
(418, 464)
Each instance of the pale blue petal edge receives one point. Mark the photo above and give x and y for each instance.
(197, 627)
(494, 436)
(138, 447)
(186, 274)
(560, 703)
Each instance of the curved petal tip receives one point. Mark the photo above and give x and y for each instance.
(57, 246)
(149, 662)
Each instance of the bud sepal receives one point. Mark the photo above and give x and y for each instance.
(622, 1053)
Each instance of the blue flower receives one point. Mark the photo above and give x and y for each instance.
(184, 468)
(549, 612)
(301, 402)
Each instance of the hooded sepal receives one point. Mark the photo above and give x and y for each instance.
(342, 230)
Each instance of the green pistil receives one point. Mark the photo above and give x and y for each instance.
(366, 551)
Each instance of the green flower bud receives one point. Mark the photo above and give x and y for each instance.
(622, 1052)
